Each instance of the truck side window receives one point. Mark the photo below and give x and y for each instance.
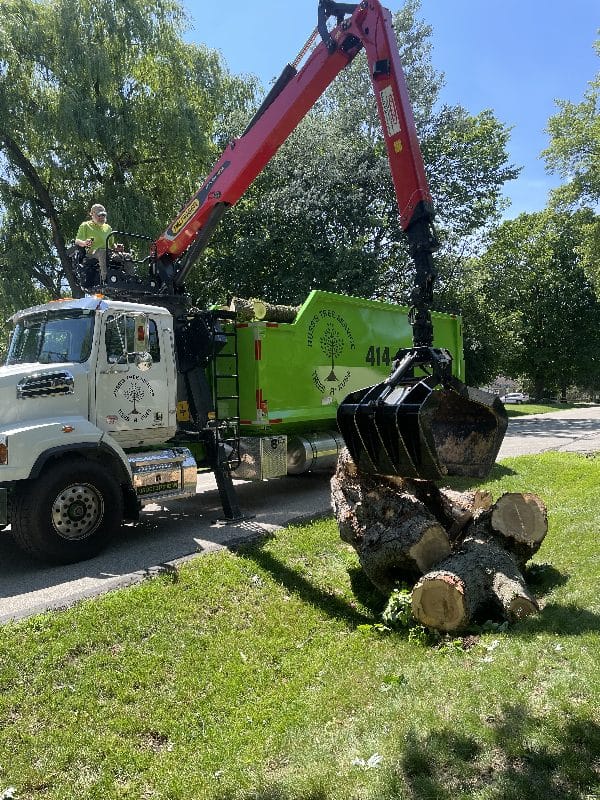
(115, 340)
(119, 339)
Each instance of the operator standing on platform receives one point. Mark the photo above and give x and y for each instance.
(93, 234)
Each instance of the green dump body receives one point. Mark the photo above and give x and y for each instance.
(293, 376)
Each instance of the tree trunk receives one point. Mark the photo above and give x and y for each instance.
(481, 578)
(394, 534)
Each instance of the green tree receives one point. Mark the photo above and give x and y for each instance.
(323, 214)
(546, 312)
(99, 101)
(574, 154)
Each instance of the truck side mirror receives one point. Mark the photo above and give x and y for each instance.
(143, 361)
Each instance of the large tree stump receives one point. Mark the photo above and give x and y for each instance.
(480, 578)
(394, 534)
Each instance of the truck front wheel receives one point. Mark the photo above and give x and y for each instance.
(69, 513)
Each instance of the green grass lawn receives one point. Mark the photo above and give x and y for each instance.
(254, 675)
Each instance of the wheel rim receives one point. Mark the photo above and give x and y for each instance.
(77, 511)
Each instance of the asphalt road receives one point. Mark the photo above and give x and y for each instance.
(168, 535)
(572, 430)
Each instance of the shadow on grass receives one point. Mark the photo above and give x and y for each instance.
(497, 472)
(331, 604)
(568, 620)
(519, 756)
(528, 757)
(275, 793)
(542, 578)
(366, 592)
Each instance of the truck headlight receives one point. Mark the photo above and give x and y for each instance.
(3, 449)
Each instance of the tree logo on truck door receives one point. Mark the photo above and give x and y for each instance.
(134, 389)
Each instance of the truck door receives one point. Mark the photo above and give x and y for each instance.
(132, 391)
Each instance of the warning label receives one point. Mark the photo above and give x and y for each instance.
(390, 112)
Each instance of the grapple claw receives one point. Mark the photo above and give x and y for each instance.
(423, 427)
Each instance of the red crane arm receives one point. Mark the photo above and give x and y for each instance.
(369, 26)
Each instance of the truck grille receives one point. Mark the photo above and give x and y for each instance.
(45, 384)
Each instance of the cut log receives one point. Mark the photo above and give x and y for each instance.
(462, 507)
(471, 550)
(401, 551)
(443, 601)
(394, 534)
(522, 518)
(247, 310)
(517, 521)
(480, 578)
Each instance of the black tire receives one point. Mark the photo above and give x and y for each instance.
(69, 513)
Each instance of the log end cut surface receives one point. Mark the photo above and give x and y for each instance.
(521, 607)
(439, 602)
(520, 516)
(431, 548)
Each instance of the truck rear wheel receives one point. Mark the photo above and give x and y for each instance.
(68, 514)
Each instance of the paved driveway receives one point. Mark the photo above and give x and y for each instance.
(574, 429)
(164, 535)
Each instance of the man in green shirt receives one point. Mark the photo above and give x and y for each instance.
(93, 233)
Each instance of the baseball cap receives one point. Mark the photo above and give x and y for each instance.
(98, 209)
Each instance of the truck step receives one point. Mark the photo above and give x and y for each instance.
(163, 474)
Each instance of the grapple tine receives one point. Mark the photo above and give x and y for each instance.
(356, 421)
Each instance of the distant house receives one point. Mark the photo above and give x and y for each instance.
(502, 385)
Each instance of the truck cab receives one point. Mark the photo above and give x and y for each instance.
(87, 403)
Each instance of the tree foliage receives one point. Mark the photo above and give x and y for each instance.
(547, 317)
(99, 101)
(574, 153)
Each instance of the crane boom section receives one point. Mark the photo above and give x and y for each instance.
(369, 26)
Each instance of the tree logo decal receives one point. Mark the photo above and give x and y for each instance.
(332, 346)
(137, 392)
(330, 333)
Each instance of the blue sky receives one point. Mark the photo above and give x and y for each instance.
(513, 56)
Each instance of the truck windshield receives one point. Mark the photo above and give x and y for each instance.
(53, 337)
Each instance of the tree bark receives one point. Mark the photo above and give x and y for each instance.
(481, 578)
(247, 310)
(453, 509)
(394, 534)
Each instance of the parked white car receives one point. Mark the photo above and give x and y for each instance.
(515, 397)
